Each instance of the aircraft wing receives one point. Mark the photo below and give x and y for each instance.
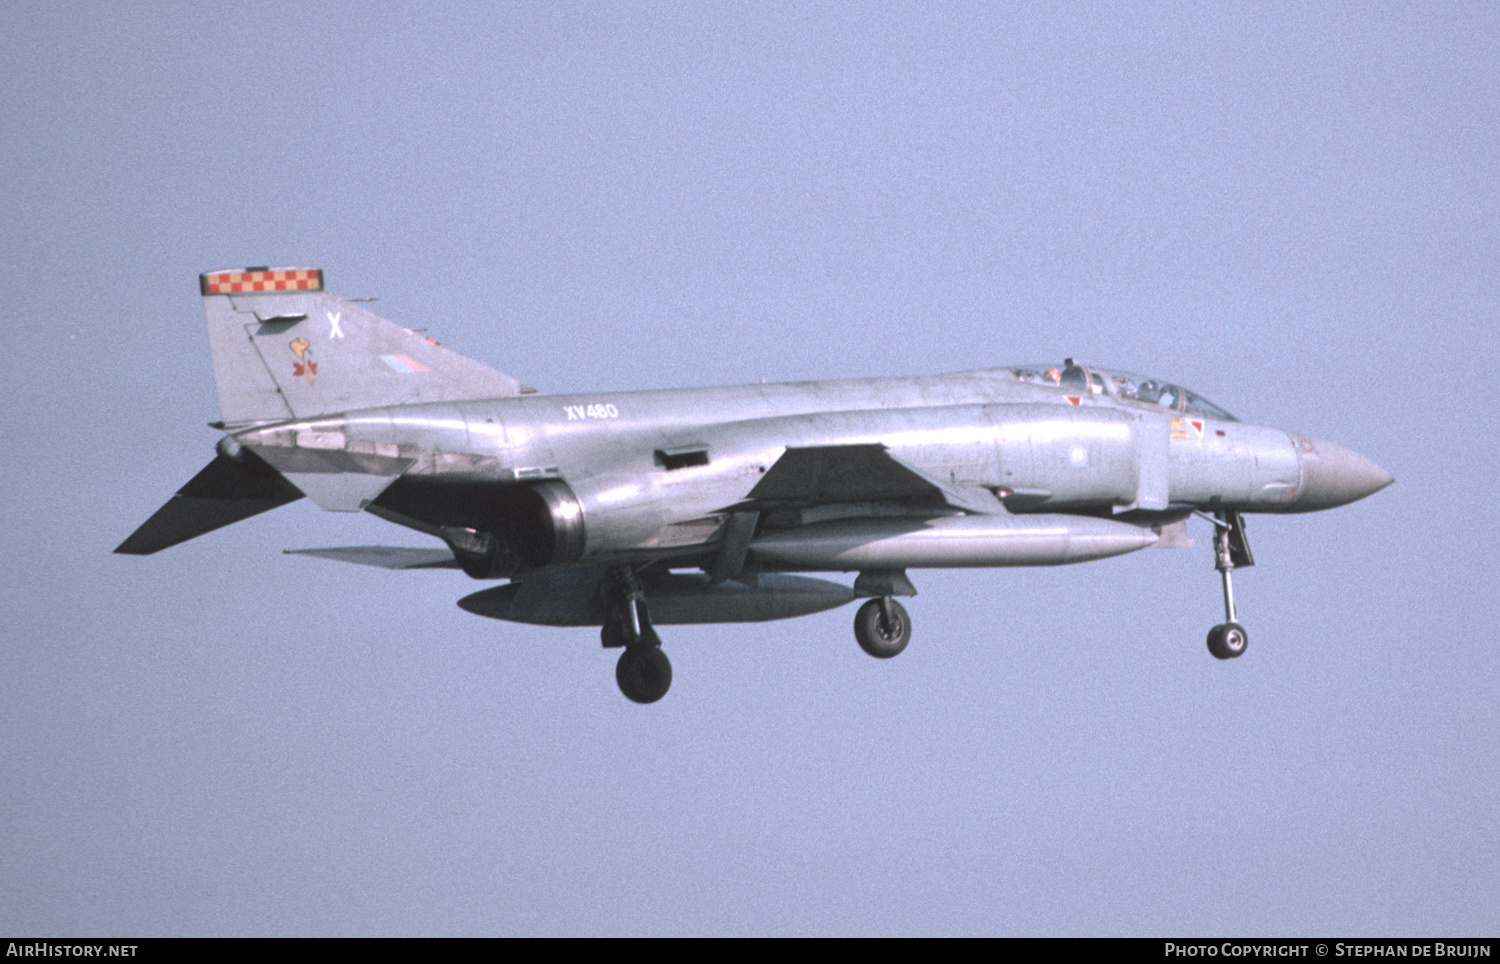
(827, 474)
(384, 557)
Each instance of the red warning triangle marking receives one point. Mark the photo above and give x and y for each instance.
(1197, 424)
(1075, 399)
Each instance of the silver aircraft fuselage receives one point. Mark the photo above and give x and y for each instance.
(1039, 449)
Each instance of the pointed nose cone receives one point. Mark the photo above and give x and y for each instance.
(1333, 475)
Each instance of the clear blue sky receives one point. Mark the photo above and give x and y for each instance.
(1290, 209)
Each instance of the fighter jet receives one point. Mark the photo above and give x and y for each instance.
(632, 510)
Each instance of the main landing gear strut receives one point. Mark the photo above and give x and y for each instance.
(643, 672)
(1231, 551)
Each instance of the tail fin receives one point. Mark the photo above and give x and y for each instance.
(284, 348)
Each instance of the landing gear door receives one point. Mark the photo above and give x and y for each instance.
(1153, 486)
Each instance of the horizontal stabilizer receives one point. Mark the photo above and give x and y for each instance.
(226, 491)
(829, 474)
(384, 557)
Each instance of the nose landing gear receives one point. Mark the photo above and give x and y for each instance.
(1227, 640)
(1231, 551)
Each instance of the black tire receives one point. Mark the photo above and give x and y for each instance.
(876, 637)
(1228, 640)
(644, 674)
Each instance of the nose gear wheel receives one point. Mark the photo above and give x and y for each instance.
(1227, 640)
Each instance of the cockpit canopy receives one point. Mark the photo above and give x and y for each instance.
(1122, 385)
